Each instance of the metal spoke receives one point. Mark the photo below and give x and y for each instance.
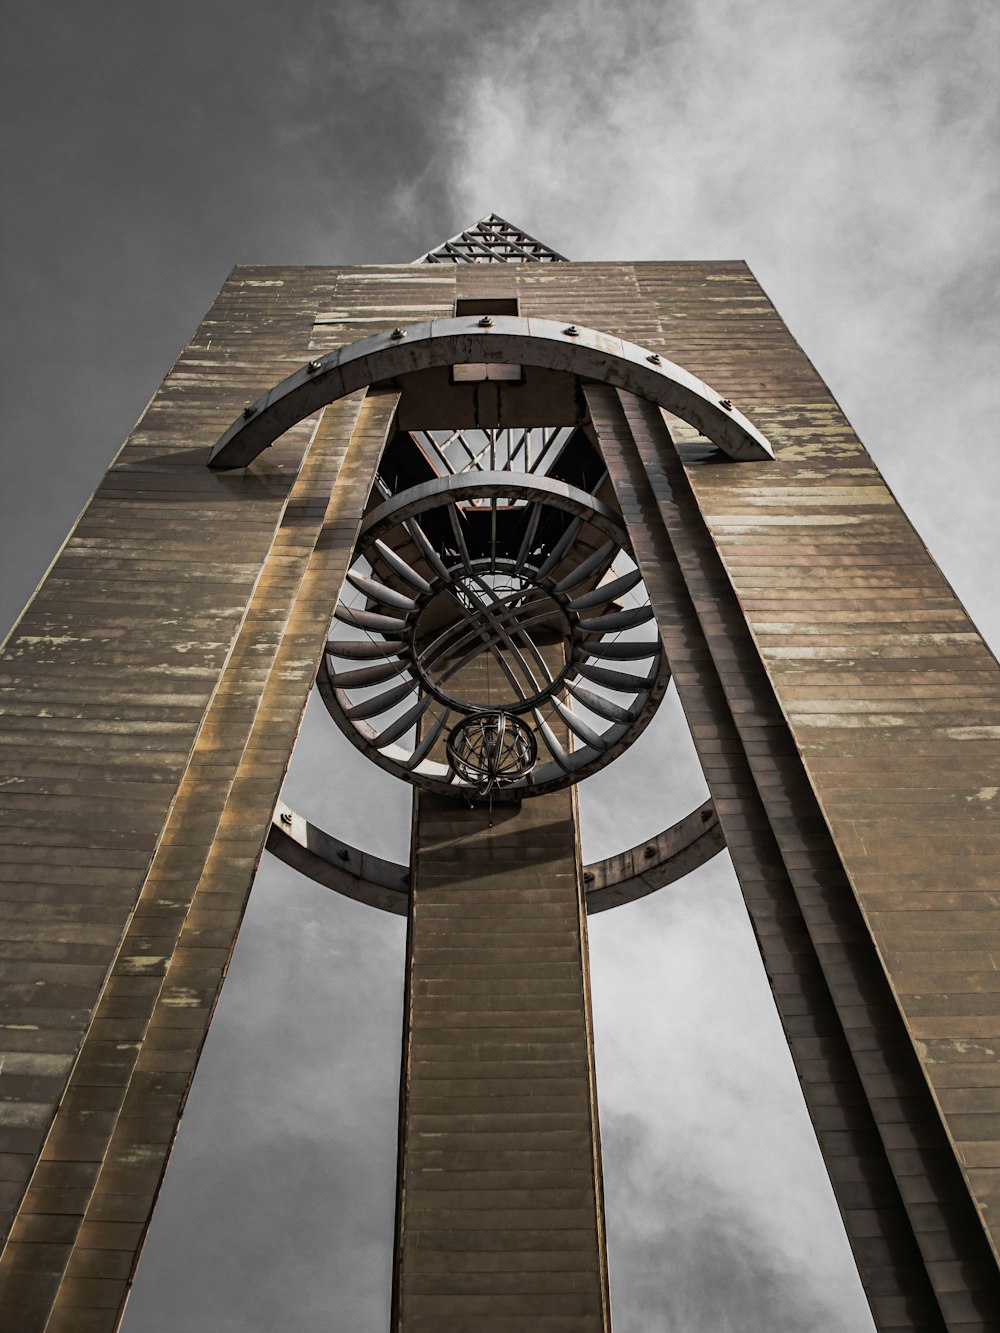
(628, 619)
(378, 592)
(427, 741)
(560, 548)
(590, 566)
(597, 703)
(531, 529)
(363, 649)
(456, 527)
(606, 592)
(350, 615)
(617, 680)
(372, 675)
(622, 650)
(555, 748)
(402, 724)
(580, 728)
(399, 566)
(381, 703)
(426, 549)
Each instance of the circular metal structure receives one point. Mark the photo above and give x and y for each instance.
(493, 593)
(489, 750)
(495, 609)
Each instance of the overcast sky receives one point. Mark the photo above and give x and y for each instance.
(847, 151)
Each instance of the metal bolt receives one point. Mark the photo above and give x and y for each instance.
(344, 854)
(398, 333)
(649, 853)
(706, 815)
(588, 877)
(572, 331)
(653, 358)
(286, 817)
(726, 403)
(249, 410)
(486, 322)
(313, 366)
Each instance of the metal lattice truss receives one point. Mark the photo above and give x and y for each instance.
(492, 240)
(526, 449)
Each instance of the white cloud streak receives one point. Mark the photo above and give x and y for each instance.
(846, 151)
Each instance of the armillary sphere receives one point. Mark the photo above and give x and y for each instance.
(493, 593)
(491, 750)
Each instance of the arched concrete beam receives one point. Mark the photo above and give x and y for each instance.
(641, 870)
(509, 339)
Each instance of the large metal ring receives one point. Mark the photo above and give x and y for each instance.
(395, 692)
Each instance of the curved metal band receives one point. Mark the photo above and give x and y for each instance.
(511, 340)
(641, 870)
(485, 485)
(482, 485)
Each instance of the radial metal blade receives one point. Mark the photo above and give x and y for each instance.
(399, 566)
(426, 549)
(623, 650)
(381, 703)
(350, 615)
(530, 532)
(616, 680)
(361, 650)
(590, 566)
(371, 675)
(560, 549)
(427, 741)
(606, 592)
(403, 724)
(552, 741)
(580, 728)
(456, 527)
(378, 592)
(602, 707)
(628, 619)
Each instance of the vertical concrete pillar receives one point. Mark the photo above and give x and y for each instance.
(500, 1221)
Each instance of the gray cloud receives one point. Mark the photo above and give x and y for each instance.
(844, 150)
(720, 1216)
(277, 1211)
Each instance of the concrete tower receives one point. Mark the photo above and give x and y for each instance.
(490, 504)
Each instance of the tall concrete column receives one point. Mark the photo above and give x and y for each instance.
(500, 1223)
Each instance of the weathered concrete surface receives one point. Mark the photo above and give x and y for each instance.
(500, 1219)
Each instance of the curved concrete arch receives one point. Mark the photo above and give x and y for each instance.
(618, 879)
(508, 339)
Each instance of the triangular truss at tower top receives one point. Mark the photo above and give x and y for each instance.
(492, 240)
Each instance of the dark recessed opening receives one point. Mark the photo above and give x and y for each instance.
(498, 305)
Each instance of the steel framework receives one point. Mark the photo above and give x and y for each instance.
(492, 240)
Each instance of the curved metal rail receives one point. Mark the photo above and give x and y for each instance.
(506, 339)
(623, 878)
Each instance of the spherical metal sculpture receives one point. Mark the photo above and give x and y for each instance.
(491, 750)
